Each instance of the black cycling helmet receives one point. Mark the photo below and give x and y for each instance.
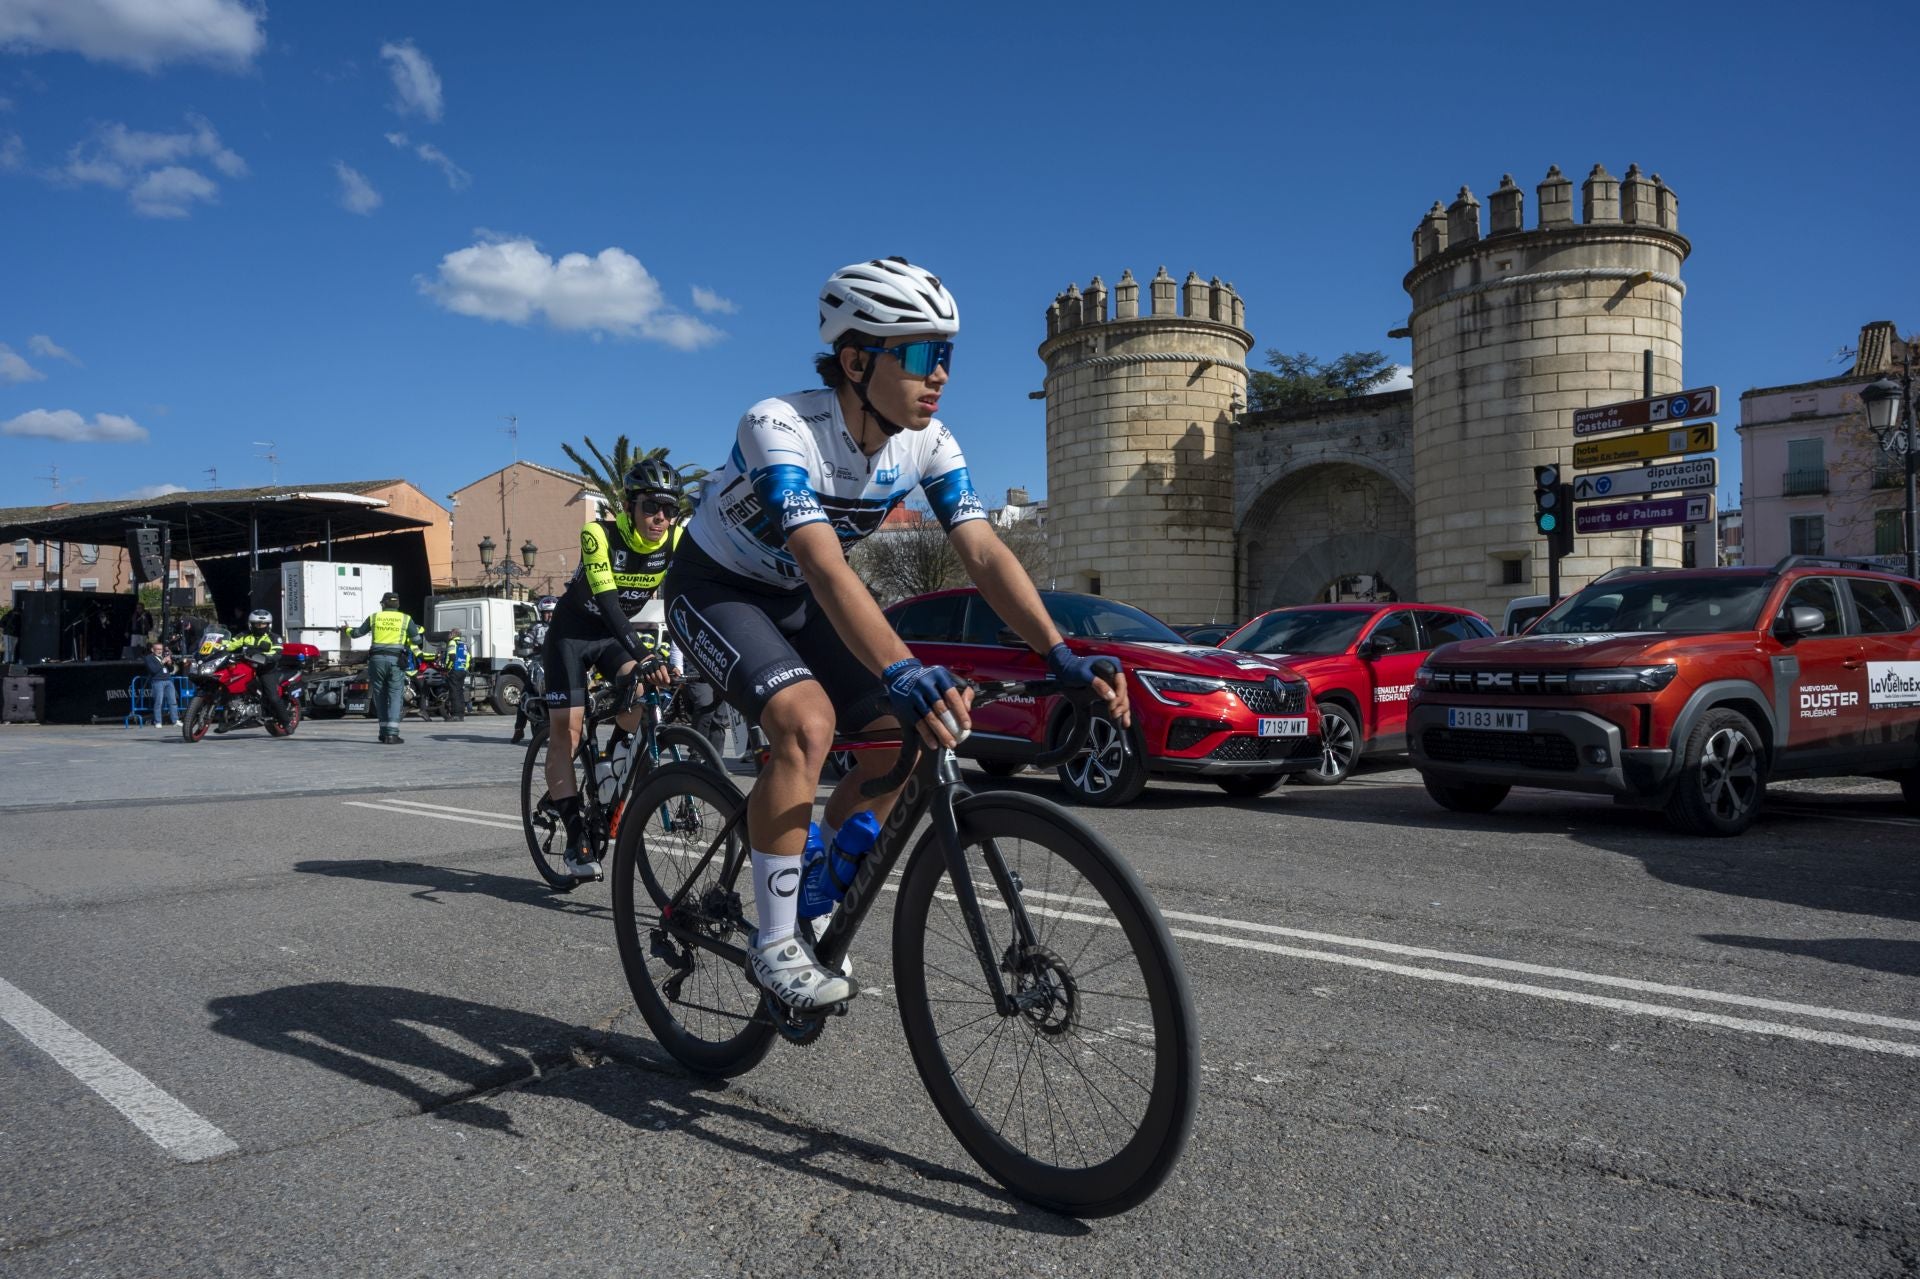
(653, 476)
(546, 604)
(259, 619)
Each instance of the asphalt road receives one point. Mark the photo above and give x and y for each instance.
(1558, 1039)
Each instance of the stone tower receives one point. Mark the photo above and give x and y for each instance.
(1512, 330)
(1140, 408)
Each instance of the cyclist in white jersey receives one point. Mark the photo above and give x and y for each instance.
(761, 596)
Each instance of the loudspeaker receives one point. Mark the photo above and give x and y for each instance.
(144, 543)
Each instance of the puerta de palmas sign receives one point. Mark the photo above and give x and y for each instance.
(1676, 406)
(1687, 508)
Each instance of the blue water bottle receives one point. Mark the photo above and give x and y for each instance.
(816, 894)
(853, 842)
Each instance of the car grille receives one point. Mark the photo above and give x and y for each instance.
(1244, 748)
(1270, 696)
(1187, 733)
(1548, 752)
(1496, 683)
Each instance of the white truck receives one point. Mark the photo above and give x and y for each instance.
(320, 597)
(495, 673)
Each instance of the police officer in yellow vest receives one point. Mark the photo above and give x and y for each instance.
(395, 636)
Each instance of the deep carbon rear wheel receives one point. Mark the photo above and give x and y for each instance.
(699, 1003)
(546, 833)
(1082, 1100)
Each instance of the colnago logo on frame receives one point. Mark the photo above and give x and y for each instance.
(1893, 683)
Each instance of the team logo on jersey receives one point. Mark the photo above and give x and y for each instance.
(969, 508)
(799, 507)
(887, 475)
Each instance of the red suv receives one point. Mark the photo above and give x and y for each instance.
(1359, 660)
(1238, 721)
(1683, 689)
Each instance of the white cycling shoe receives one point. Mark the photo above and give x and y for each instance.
(581, 869)
(788, 970)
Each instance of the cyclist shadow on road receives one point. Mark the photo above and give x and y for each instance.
(446, 1056)
(437, 881)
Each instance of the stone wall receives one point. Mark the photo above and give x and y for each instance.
(1511, 332)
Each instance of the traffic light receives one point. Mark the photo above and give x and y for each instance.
(1553, 510)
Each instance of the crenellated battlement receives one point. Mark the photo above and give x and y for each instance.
(1195, 299)
(1636, 200)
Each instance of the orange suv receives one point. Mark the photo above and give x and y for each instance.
(1686, 689)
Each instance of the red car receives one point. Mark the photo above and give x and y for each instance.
(1360, 660)
(1239, 721)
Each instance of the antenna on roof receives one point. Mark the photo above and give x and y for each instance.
(513, 433)
(213, 477)
(272, 459)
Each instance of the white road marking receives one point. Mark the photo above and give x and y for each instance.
(1638, 1008)
(174, 1128)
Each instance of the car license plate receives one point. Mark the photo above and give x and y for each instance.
(1271, 726)
(1499, 721)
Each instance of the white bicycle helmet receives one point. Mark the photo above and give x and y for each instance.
(886, 297)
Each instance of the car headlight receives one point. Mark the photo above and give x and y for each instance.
(1625, 679)
(1161, 683)
(1423, 678)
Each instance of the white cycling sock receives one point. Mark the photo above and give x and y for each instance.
(776, 887)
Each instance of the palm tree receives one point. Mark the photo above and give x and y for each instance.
(608, 474)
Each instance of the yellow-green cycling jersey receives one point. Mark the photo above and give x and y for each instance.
(614, 557)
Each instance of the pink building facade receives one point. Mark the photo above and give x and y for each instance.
(1816, 481)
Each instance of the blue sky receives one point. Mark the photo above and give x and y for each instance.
(344, 229)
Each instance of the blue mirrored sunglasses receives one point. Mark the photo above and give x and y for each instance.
(919, 358)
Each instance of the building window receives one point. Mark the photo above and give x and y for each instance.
(1689, 552)
(89, 583)
(22, 552)
(1886, 531)
(1807, 535)
(1510, 572)
(89, 552)
(1093, 583)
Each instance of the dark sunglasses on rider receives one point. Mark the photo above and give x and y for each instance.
(648, 506)
(919, 358)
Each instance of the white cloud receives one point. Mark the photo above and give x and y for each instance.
(356, 193)
(41, 344)
(153, 167)
(65, 424)
(143, 34)
(712, 303)
(152, 490)
(1402, 379)
(13, 152)
(170, 192)
(6, 104)
(16, 370)
(457, 178)
(415, 83)
(609, 293)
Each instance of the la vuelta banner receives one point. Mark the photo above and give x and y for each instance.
(1893, 683)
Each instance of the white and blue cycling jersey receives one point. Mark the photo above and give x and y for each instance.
(795, 463)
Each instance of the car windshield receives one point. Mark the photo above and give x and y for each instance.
(1685, 604)
(1300, 631)
(1088, 617)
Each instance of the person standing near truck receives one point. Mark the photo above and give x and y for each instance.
(453, 664)
(395, 637)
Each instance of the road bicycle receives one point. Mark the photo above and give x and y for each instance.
(603, 772)
(1043, 1001)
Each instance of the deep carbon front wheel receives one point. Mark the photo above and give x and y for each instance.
(697, 1001)
(1082, 1098)
(546, 833)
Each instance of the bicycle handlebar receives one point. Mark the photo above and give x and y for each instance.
(1080, 699)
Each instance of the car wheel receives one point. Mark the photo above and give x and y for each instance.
(1250, 785)
(998, 767)
(506, 695)
(1465, 797)
(1109, 770)
(1723, 779)
(1339, 746)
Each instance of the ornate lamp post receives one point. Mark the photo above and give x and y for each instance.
(508, 570)
(1889, 403)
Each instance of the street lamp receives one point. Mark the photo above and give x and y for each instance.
(508, 570)
(1887, 403)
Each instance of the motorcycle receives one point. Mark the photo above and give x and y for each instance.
(227, 688)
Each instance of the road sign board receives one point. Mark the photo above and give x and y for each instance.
(1700, 473)
(1696, 437)
(1688, 508)
(1678, 406)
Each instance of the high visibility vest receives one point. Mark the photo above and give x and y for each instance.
(454, 656)
(389, 628)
